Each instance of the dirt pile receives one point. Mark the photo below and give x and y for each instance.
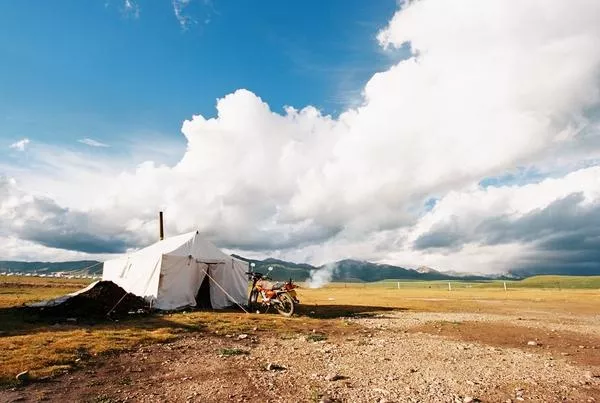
(97, 302)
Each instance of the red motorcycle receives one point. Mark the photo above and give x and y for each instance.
(266, 294)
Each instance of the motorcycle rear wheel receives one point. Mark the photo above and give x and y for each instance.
(253, 303)
(286, 306)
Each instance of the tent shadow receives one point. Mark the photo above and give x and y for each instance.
(19, 321)
(322, 311)
(343, 311)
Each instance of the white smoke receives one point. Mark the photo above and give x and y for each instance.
(321, 276)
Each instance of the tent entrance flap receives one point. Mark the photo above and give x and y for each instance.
(203, 294)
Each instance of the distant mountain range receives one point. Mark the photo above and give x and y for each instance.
(89, 267)
(350, 270)
(347, 270)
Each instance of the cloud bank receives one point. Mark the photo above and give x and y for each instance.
(491, 88)
(20, 145)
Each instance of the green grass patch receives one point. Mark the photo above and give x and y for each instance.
(228, 352)
(559, 282)
(314, 337)
(543, 282)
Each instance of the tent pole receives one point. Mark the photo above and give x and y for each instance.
(160, 226)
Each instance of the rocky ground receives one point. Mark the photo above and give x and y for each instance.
(391, 357)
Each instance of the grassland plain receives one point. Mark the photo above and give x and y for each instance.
(46, 347)
(471, 312)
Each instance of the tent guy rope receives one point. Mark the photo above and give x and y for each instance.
(226, 293)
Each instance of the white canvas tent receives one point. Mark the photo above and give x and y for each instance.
(170, 272)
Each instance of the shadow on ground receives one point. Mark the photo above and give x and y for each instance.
(342, 311)
(16, 321)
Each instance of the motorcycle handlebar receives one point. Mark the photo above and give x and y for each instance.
(258, 275)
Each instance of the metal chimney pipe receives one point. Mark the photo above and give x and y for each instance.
(160, 224)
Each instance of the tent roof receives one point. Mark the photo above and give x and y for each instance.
(171, 272)
(183, 245)
(166, 245)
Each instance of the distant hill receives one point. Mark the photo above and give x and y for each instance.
(282, 270)
(347, 270)
(350, 270)
(355, 270)
(87, 267)
(425, 269)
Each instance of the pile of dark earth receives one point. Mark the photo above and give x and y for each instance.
(102, 300)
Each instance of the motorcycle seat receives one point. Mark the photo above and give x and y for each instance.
(267, 285)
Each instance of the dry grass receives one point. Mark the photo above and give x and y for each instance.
(46, 348)
(493, 300)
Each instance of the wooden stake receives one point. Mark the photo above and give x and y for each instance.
(160, 226)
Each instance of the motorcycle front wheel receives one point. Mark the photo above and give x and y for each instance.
(253, 304)
(286, 305)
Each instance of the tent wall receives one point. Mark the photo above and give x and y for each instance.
(232, 278)
(138, 274)
(171, 271)
(180, 280)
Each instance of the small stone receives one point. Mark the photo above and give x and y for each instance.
(532, 343)
(470, 399)
(275, 367)
(23, 376)
(412, 370)
(331, 377)
(326, 399)
(254, 329)
(242, 336)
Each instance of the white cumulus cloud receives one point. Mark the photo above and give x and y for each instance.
(490, 87)
(20, 145)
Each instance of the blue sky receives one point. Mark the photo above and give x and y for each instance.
(429, 133)
(94, 69)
